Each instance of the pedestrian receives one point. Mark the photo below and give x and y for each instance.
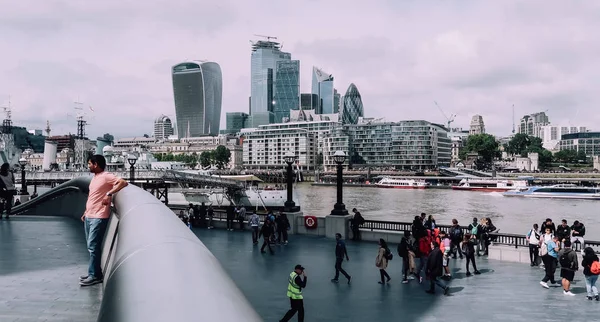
(294, 292)
(241, 217)
(7, 188)
(591, 270)
(468, 248)
(549, 251)
(434, 269)
(577, 233)
(381, 262)
(230, 217)
(456, 237)
(563, 231)
(475, 230)
(568, 266)
(430, 223)
(203, 212)
(340, 253)
(355, 224)
(283, 225)
(254, 222)
(548, 224)
(266, 232)
(445, 246)
(534, 241)
(97, 211)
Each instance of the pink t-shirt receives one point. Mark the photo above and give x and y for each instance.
(101, 184)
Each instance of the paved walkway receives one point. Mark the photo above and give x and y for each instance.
(41, 259)
(504, 292)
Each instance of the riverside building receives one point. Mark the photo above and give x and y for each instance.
(588, 142)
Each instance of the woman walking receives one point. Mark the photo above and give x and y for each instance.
(383, 255)
(7, 188)
(468, 248)
(589, 257)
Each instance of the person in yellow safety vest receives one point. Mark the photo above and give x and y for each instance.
(294, 292)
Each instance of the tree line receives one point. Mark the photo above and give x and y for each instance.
(220, 158)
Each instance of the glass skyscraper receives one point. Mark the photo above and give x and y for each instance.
(265, 55)
(197, 90)
(352, 107)
(287, 89)
(235, 122)
(322, 85)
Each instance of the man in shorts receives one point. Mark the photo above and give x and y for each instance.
(567, 258)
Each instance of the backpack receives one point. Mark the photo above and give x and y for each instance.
(564, 261)
(543, 248)
(388, 255)
(456, 233)
(474, 229)
(425, 245)
(402, 248)
(595, 268)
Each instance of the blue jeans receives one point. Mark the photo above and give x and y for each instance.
(590, 285)
(94, 235)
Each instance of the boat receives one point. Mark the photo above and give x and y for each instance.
(398, 183)
(489, 185)
(559, 191)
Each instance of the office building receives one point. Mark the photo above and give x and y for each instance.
(287, 89)
(336, 101)
(322, 86)
(477, 125)
(588, 142)
(264, 148)
(352, 107)
(235, 122)
(532, 124)
(163, 128)
(265, 55)
(551, 135)
(198, 89)
(309, 101)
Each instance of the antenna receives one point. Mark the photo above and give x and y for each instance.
(48, 128)
(267, 37)
(513, 118)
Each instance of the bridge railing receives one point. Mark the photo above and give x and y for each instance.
(496, 238)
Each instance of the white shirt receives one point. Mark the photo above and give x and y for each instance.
(532, 237)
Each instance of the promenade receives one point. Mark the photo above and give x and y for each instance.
(41, 259)
(504, 292)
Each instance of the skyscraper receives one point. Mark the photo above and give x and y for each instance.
(532, 124)
(163, 127)
(352, 107)
(322, 85)
(265, 55)
(197, 89)
(287, 89)
(309, 101)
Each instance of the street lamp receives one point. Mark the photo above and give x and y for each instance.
(339, 209)
(23, 162)
(132, 159)
(290, 205)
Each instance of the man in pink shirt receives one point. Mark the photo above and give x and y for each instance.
(97, 211)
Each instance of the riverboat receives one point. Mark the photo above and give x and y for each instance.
(559, 191)
(397, 183)
(489, 185)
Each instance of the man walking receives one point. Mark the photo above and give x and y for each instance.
(294, 292)
(568, 266)
(549, 252)
(254, 223)
(97, 211)
(340, 253)
(355, 224)
(434, 269)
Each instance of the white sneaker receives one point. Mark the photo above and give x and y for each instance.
(544, 285)
(411, 277)
(568, 293)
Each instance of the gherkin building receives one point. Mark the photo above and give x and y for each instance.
(353, 107)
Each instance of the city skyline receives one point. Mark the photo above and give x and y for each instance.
(476, 58)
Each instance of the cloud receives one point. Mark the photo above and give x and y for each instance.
(470, 57)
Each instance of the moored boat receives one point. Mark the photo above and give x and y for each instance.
(489, 185)
(559, 191)
(398, 183)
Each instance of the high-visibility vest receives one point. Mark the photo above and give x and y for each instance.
(294, 291)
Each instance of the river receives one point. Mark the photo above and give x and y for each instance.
(509, 215)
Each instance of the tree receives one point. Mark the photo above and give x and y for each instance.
(221, 157)
(565, 156)
(206, 159)
(483, 144)
(518, 144)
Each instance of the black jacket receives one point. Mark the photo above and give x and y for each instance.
(587, 262)
(266, 231)
(435, 261)
(543, 228)
(418, 230)
(429, 224)
(282, 222)
(580, 229)
(563, 232)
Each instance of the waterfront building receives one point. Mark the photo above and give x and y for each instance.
(352, 106)
(551, 134)
(163, 127)
(287, 89)
(410, 145)
(477, 125)
(532, 124)
(458, 138)
(198, 90)
(322, 86)
(263, 75)
(132, 142)
(235, 122)
(336, 139)
(588, 142)
(309, 101)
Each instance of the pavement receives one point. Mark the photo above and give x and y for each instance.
(504, 291)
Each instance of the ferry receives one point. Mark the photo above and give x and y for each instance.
(397, 183)
(489, 185)
(559, 191)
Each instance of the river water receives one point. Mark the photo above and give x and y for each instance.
(509, 215)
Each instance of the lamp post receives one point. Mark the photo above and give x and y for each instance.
(23, 162)
(339, 209)
(290, 205)
(132, 159)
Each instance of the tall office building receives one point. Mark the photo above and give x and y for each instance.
(336, 101)
(287, 89)
(309, 101)
(532, 124)
(322, 85)
(352, 107)
(197, 89)
(163, 127)
(477, 125)
(265, 55)
(235, 122)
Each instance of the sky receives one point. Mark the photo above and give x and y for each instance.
(471, 57)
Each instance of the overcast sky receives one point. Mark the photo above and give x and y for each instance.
(472, 57)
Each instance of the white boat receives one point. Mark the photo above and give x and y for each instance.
(489, 185)
(559, 191)
(400, 183)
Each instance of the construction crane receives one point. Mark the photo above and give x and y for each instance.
(267, 37)
(450, 119)
(7, 110)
